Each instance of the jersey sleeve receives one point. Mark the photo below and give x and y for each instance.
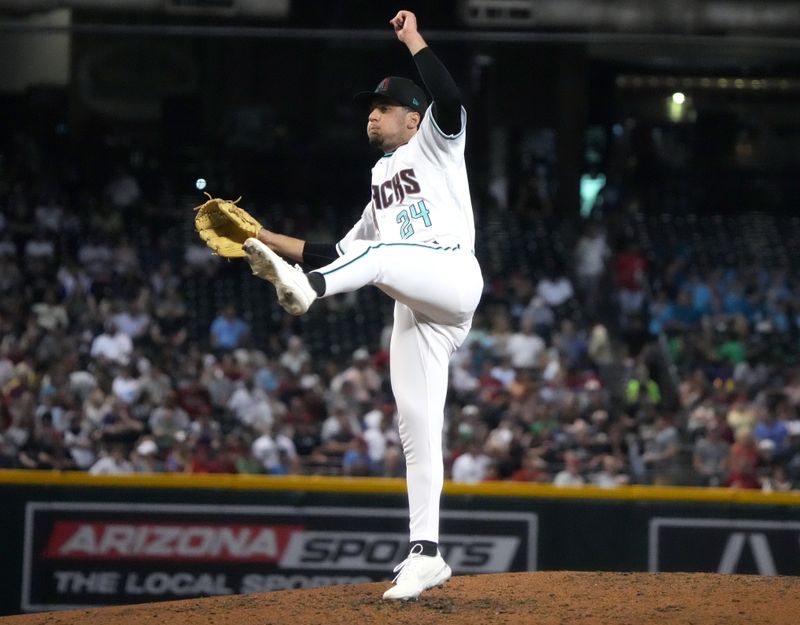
(363, 229)
(441, 149)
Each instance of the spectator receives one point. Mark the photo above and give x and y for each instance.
(112, 346)
(662, 452)
(339, 429)
(39, 248)
(532, 469)
(228, 331)
(591, 254)
(710, 458)
(125, 387)
(168, 422)
(472, 465)
(169, 326)
(123, 190)
(363, 377)
(251, 405)
(610, 474)
(144, 457)
(97, 406)
(78, 441)
(164, 279)
(630, 278)
(555, 287)
(295, 356)
(742, 462)
(375, 438)
(356, 460)
(526, 349)
(50, 313)
(570, 475)
(113, 462)
(154, 383)
(133, 320)
(241, 446)
(119, 426)
(600, 349)
(275, 451)
(771, 426)
(778, 481)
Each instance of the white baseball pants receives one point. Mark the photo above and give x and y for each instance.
(436, 291)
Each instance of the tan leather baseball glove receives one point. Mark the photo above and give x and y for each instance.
(224, 226)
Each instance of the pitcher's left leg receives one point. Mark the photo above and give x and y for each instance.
(420, 357)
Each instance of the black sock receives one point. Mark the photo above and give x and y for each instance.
(428, 548)
(317, 282)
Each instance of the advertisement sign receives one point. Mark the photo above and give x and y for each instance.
(90, 554)
(724, 546)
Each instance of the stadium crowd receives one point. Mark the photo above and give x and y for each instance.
(620, 363)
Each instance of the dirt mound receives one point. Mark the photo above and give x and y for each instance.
(542, 598)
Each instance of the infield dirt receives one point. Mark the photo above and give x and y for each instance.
(543, 598)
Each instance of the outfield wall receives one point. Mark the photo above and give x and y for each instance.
(71, 540)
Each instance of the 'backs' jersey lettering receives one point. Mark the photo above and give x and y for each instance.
(420, 192)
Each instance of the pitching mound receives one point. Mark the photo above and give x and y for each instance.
(519, 598)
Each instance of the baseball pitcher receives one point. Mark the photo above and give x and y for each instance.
(415, 241)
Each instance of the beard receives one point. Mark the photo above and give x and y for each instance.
(376, 141)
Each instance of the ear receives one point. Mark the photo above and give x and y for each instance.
(412, 120)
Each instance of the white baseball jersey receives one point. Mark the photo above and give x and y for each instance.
(420, 193)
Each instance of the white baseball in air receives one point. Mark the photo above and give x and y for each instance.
(200, 183)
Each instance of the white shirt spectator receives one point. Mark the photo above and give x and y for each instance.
(250, 405)
(567, 478)
(126, 388)
(111, 465)
(461, 378)
(470, 467)
(50, 315)
(114, 346)
(504, 373)
(295, 355)
(591, 254)
(374, 436)
(80, 448)
(525, 350)
(39, 247)
(555, 291)
(132, 322)
(267, 449)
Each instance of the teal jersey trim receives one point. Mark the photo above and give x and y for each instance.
(373, 247)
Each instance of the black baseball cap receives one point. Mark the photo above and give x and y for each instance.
(402, 90)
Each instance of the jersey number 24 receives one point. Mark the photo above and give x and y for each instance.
(415, 211)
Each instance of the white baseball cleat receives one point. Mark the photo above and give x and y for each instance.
(295, 294)
(417, 573)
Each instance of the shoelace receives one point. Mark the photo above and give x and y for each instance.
(413, 555)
